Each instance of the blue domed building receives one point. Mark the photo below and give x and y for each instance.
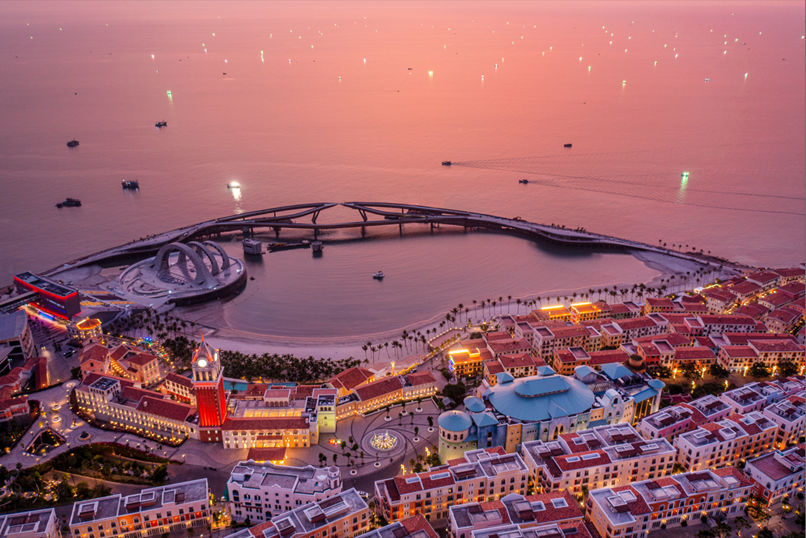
(544, 407)
(454, 435)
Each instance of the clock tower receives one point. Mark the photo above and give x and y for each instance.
(208, 383)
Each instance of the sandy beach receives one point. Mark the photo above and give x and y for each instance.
(224, 337)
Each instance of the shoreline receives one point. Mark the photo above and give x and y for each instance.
(224, 337)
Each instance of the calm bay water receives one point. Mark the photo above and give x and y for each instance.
(290, 130)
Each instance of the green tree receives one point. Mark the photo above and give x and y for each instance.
(455, 392)
(765, 532)
(741, 524)
(787, 368)
(718, 371)
(160, 474)
(759, 370)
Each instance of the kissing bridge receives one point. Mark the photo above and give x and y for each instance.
(369, 214)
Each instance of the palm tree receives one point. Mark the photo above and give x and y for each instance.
(518, 302)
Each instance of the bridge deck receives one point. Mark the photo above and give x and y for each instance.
(393, 215)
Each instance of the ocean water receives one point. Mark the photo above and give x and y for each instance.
(310, 102)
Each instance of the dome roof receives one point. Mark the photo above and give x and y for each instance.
(455, 421)
(535, 399)
(474, 405)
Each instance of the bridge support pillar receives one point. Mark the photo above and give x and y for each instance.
(363, 231)
(401, 228)
(315, 233)
(277, 232)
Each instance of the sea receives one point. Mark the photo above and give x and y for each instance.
(304, 102)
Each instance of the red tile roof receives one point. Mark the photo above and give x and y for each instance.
(504, 346)
(745, 288)
(638, 506)
(784, 315)
(565, 465)
(659, 301)
(552, 514)
(179, 380)
(775, 345)
(739, 352)
(141, 359)
(419, 523)
(608, 356)
(266, 423)
(95, 352)
(166, 408)
(517, 360)
(636, 323)
(727, 319)
(693, 353)
(378, 388)
(352, 377)
(763, 276)
(420, 378)
(494, 367)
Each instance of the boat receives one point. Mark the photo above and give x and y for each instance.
(73, 143)
(317, 246)
(524, 181)
(70, 202)
(273, 247)
(252, 246)
(162, 123)
(708, 80)
(684, 175)
(378, 276)
(567, 145)
(234, 185)
(130, 184)
(446, 163)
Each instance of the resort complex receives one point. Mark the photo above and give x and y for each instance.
(587, 418)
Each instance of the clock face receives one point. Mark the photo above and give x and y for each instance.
(202, 363)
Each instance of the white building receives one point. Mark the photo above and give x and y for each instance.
(33, 524)
(788, 415)
(153, 511)
(717, 444)
(777, 474)
(638, 509)
(599, 457)
(259, 491)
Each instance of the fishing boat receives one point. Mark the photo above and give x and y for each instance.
(162, 123)
(524, 181)
(134, 185)
(446, 163)
(234, 185)
(70, 202)
(684, 175)
(567, 145)
(73, 143)
(274, 247)
(378, 276)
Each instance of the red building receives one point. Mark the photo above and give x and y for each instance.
(211, 399)
(54, 299)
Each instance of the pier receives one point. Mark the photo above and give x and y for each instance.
(369, 214)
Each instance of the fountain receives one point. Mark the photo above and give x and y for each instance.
(383, 441)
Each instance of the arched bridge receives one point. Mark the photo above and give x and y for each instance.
(368, 215)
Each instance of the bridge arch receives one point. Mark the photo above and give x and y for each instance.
(224, 256)
(202, 249)
(203, 275)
